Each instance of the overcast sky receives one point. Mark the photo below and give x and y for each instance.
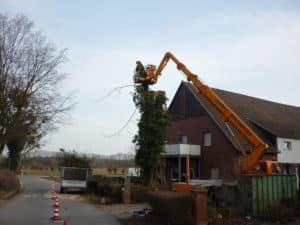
(250, 47)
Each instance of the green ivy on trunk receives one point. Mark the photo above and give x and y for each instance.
(152, 133)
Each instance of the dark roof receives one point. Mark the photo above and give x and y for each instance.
(279, 119)
(264, 117)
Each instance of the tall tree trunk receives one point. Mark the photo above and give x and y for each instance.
(158, 174)
(15, 148)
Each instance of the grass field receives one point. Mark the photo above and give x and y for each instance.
(43, 172)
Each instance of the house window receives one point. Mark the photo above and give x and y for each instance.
(184, 139)
(287, 145)
(174, 174)
(207, 139)
(214, 173)
(192, 173)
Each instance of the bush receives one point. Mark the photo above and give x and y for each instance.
(74, 159)
(172, 207)
(8, 181)
(105, 187)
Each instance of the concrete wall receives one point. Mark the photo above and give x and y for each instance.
(288, 155)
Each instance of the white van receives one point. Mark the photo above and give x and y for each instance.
(73, 178)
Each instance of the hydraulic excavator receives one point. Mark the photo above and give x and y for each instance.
(251, 163)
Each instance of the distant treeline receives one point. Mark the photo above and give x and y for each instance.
(54, 162)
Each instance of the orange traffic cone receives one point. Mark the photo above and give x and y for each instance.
(56, 204)
(56, 216)
(53, 196)
(65, 222)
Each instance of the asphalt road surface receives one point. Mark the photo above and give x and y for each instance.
(34, 207)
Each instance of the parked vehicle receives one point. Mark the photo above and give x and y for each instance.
(73, 178)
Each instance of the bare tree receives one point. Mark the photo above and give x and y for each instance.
(30, 101)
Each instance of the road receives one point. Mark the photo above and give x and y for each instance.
(33, 207)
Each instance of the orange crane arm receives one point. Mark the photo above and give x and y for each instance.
(226, 113)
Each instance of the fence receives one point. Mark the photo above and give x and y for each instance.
(262, 191)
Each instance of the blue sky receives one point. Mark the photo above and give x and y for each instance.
(250, 47)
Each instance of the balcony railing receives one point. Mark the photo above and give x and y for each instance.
(182, 149)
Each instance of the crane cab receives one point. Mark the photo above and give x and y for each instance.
(145, 75)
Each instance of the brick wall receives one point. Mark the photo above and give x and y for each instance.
(221, 154)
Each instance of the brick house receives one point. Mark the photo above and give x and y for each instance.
(197, 130)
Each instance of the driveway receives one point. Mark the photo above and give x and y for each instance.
(33, 207)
